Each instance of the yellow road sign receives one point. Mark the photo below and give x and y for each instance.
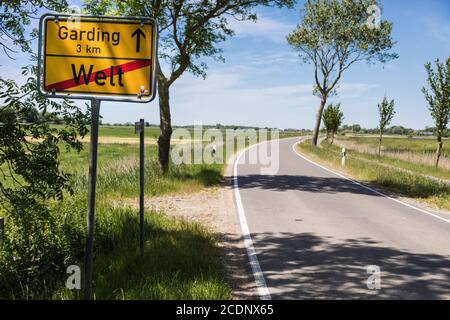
(88, 57)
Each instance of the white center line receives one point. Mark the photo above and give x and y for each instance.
(263, 291)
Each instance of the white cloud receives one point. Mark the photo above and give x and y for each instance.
(264, 27)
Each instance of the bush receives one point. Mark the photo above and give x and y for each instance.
(33, 252)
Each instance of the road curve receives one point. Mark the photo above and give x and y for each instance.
(315, 233)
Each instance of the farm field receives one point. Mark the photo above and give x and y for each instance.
(416, 154)
(126, 134)
(402, 143)
(415, 150)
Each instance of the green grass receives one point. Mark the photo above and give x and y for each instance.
(181, 260)
(118, 172)
(401, 144)
(126, 132)
(399, 163)
(400, 183)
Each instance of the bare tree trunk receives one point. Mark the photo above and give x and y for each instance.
(332, 138)
(165, 125)
(439, 151)
(379, 144)
(318, 121)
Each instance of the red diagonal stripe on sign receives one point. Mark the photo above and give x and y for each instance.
(126, 67)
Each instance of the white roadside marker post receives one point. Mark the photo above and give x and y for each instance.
(344, 154)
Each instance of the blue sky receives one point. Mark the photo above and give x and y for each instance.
(262, 82)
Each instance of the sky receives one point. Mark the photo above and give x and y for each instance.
(263, 82)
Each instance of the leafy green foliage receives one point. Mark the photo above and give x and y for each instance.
(15, 16)
(439, 99)
(29, 151)
(188, 30)
(332, 119)
(32, 251)
(386, 112)
(29, 177)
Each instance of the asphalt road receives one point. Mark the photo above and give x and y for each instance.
(315, 233)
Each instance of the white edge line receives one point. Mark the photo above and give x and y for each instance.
(368, 188)
(263, 291)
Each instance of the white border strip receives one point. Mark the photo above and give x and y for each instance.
(368, 188)
(263, 291)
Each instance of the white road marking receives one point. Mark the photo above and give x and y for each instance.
(263, 291)
(368, 188)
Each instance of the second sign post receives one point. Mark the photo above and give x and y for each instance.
(139, 128)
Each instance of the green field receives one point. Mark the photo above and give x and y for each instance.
(153, 132)
(403, 144)
(390, 179)
(118, 172)
(126, 132)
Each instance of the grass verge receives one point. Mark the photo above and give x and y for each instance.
(401, 183)
(424, 169)
(181, 260)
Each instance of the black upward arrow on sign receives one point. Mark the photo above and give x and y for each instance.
(138, 33)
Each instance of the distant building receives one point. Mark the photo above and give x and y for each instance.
(425, 133)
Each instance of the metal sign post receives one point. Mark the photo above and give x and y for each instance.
(2, 228)
(139, 128)
(98, 58)
(92, 181)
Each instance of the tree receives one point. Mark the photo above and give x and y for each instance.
(32, 116)
(30, 174)
(32, 167)
(439, 99)
(386, 112)
(335, 34)
(188, 31)
(356, 128)
(332, 119)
